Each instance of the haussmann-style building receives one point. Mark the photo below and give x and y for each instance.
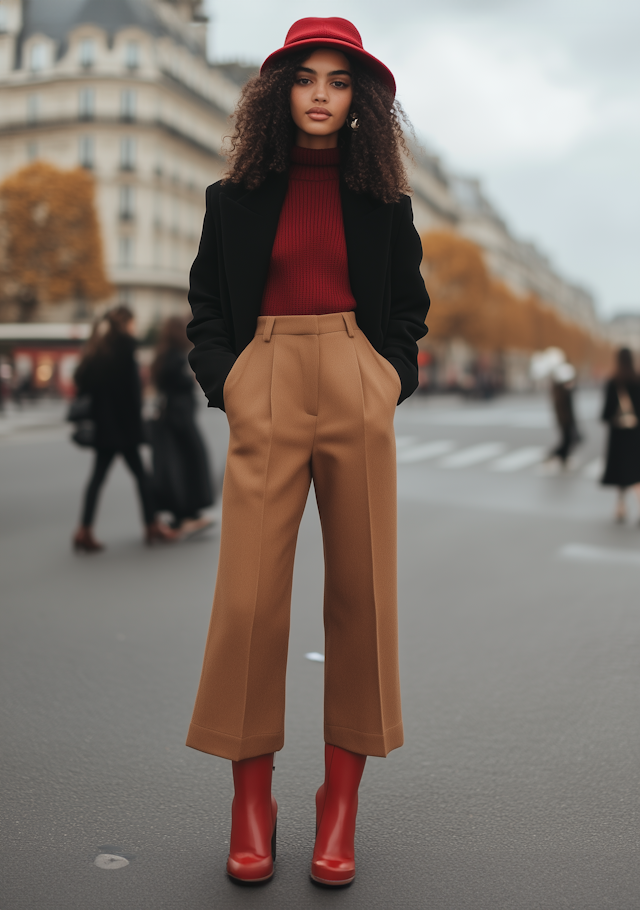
(125, 89)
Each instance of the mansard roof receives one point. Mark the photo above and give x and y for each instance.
(56, 18)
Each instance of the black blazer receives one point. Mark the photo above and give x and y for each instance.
(229, 273)
(112, 380)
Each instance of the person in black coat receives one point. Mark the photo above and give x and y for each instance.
(182, 481)
(562, 388)
(108, 374)
(621, 412)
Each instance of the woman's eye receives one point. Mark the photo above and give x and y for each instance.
(304, 81)
(340, 84)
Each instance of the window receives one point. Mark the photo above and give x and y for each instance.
(87, 52)
(125, 252)
(33, 108)
(32, 151)
(38, 57)
(87, 103)
(127, 200)
(157, 210)
(128, 104)
(127, 153)
(4, 19)
(132, 55)
(87, 152)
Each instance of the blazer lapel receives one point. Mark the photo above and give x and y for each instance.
(249, 226)
(367, 230)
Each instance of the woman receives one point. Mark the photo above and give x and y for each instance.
(182, 479)
(108, 374)
(622, 412)
(307, 305)
(562, 388)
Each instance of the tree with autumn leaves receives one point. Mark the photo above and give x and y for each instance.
(50, 243)
(469, 304)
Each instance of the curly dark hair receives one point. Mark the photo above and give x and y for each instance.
(371, 159)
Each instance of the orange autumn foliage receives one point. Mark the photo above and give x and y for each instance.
(50, 243)
(458, 284)
(469, 304)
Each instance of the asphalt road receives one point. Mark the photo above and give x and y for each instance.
(517, 788)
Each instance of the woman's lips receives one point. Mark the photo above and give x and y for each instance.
(317, 113)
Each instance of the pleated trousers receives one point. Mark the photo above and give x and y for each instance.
(308, 399)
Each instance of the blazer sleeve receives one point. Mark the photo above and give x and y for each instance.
(611, 403)
(409, 302)
(213, 352)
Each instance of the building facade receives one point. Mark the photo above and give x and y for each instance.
(518, 263)
(624, 332)
(124, 88)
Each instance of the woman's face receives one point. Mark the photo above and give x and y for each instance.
(321, 99)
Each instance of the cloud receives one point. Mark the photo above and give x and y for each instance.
(485, 98)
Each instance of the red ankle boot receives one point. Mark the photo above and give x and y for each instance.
(253, 821)
(333, 860)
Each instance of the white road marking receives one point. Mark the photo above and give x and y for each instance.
(315, 655)
(403, 441)
(473, 455)
(594, 469)
(582, 552)
(110, 861)
(518, 459)
(485, 417)
(424, 451)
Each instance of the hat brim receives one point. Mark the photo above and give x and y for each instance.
(378, 69)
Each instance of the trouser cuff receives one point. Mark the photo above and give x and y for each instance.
(379, 744)
(235, 748)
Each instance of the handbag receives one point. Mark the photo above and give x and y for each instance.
(80, 413)
(81, 408)
(626, 418)
(84, 434)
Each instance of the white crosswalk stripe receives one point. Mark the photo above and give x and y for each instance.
(473, 455)
(492, 456)
(426, 450)
(594, 469)
(519, 458)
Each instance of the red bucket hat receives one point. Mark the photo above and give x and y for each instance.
(333, 32)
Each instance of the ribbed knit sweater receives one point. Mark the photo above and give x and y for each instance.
(309, 273)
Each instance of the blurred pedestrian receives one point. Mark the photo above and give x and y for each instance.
(181, 474)
(622, 412)
(108, 375)
(307, 304)
(562, 388)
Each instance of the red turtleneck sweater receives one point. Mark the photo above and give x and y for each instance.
(308, 272)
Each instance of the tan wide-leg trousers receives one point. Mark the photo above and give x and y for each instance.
(309, 398)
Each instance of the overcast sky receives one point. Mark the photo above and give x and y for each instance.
(539, 98)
